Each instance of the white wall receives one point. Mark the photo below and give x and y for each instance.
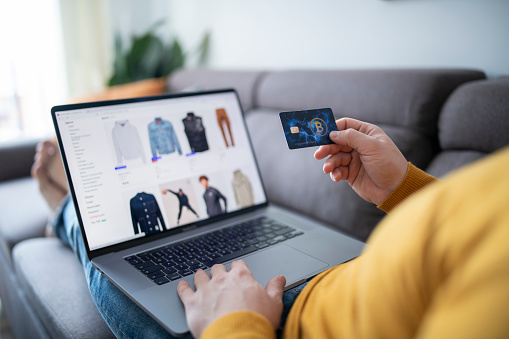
(135, 17)
(286, 34)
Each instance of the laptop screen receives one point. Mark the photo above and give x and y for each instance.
(143, 167)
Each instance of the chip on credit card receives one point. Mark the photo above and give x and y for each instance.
(308, 128)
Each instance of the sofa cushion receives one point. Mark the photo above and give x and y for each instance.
(293, 178)
(23, 213)
(19, 155)
(404, 97)
(64, 306)
(201, 79)
(447, 161)
(476, 117)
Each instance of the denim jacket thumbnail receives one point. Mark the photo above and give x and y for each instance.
(163, 139)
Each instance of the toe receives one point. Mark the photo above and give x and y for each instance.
(49, 147)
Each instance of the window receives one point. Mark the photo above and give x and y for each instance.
(31, 67)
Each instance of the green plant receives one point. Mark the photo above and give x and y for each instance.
(148, 57)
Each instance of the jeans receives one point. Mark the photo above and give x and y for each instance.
(123, 316)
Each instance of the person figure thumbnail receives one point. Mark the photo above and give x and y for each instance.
(212, 197)
(183, 201)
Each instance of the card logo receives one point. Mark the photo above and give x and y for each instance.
(318, 127)
(294, 129)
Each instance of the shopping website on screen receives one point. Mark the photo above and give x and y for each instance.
(142, 168)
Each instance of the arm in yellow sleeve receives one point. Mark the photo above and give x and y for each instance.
(414, 181)
(436, 267)
(240, 325)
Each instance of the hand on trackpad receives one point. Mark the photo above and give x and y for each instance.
(284, 260)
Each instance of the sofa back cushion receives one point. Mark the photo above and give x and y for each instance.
(409, 98)
(16, 158)
(474, 122)
(244, 82)
(476, 117)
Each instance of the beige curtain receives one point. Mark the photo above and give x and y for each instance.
(88, 44)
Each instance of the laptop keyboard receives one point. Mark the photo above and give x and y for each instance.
(172, 262)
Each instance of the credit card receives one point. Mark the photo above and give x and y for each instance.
(308, 128)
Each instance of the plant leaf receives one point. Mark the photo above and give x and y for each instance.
(203, 49)
(149, 57)
(119, 75)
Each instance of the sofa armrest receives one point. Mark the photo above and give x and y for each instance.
(54, 284)
(17, 158)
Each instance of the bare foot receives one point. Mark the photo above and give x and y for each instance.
(55, 167)
(46, 172)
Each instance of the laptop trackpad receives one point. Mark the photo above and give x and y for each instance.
(283, 260)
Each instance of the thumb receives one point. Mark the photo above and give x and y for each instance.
(351, 138)
(275, 287)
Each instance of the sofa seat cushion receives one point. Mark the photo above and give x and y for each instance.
(54, 282)
(23, 213)
(447, 161)
(292, 178)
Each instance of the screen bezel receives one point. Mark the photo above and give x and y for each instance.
(147, 238)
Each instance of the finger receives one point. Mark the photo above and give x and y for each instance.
(346, 123)
(324, 151)
(339, 173)
(184, 291)
(217, 269)
(354, 168)
(275, 287)
(239, 264)
(240, 268)
(351, 138)
(337, 160)
(200, 278)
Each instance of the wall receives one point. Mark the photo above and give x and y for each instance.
(288, 34)
(134, 17)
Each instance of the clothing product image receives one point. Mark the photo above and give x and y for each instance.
(145, 213)
(193, 126)
(163, 139)
(127, 142)
(212, 197)
(183, 201)
(242, 188)
(223, 117)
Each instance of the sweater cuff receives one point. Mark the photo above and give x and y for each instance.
(415, 179)
(241, 324)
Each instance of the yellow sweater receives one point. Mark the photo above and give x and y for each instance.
(436, 267)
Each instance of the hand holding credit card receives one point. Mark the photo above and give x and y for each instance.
(308, 128)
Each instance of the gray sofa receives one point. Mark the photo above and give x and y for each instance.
(441, 119)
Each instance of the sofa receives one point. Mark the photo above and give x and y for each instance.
(441, 119)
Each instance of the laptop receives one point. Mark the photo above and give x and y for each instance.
(165, 185)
